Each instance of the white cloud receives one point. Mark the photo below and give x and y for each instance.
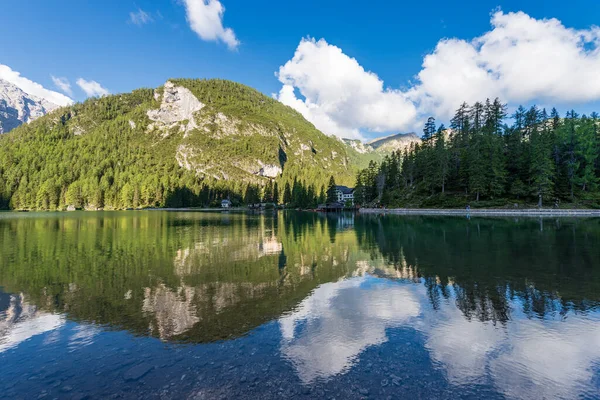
(63, 84)
(340, 97)
(140, 17)
(92, 88)
(33, 88)
(521, 59)
(206, 19)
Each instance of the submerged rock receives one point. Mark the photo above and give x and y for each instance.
(137, 372)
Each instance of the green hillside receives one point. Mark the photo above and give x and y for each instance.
(188, 143)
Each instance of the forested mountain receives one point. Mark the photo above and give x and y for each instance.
(539, 159)
(188, 143)
(18, 107)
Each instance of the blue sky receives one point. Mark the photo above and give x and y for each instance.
(97, 41)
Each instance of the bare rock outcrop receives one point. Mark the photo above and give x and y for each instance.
(177, 108)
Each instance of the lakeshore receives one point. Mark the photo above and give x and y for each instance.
(530, 212)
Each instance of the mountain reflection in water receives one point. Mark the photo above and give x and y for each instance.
(508, 307)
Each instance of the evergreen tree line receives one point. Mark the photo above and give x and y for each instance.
(298, 194)
(302, 195)
(295, 195)
(540, 158)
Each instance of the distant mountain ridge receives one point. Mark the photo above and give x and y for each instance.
(361, 154)
(387, 144)
(18, 107)
(395, 142)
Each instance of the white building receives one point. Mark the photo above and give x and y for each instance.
(345, 194)
(225, 203)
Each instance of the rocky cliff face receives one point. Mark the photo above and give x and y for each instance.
(358, 146)
(18, 107)
(392, 143)
(177, 109)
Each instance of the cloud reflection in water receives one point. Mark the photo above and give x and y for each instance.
(523, 358)
(22, 321)
(330, 328)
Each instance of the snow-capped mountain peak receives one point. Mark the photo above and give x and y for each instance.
(18, 107)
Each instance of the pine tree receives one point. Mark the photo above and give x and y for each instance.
(570, 148)
(322, 196)
(516, 163)
(252, 195)
(429, 129)
(460, 122)
(268, 192)
(587, 153)
(275, 193)
(596, 129)
(371, 181)
(442, 158)
(476, 153)
(477, 173)
(380, 182)
(409, 167)
(541, 168)
(461, 126)
(498, 114)
(297, 194)
(555, 116)
(519, 118)
(332, 191)
(477, 116)
(287, 194)
(493, 145)
(311, 197)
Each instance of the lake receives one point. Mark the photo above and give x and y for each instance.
(156, 304)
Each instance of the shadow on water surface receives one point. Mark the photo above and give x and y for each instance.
(438, 307)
